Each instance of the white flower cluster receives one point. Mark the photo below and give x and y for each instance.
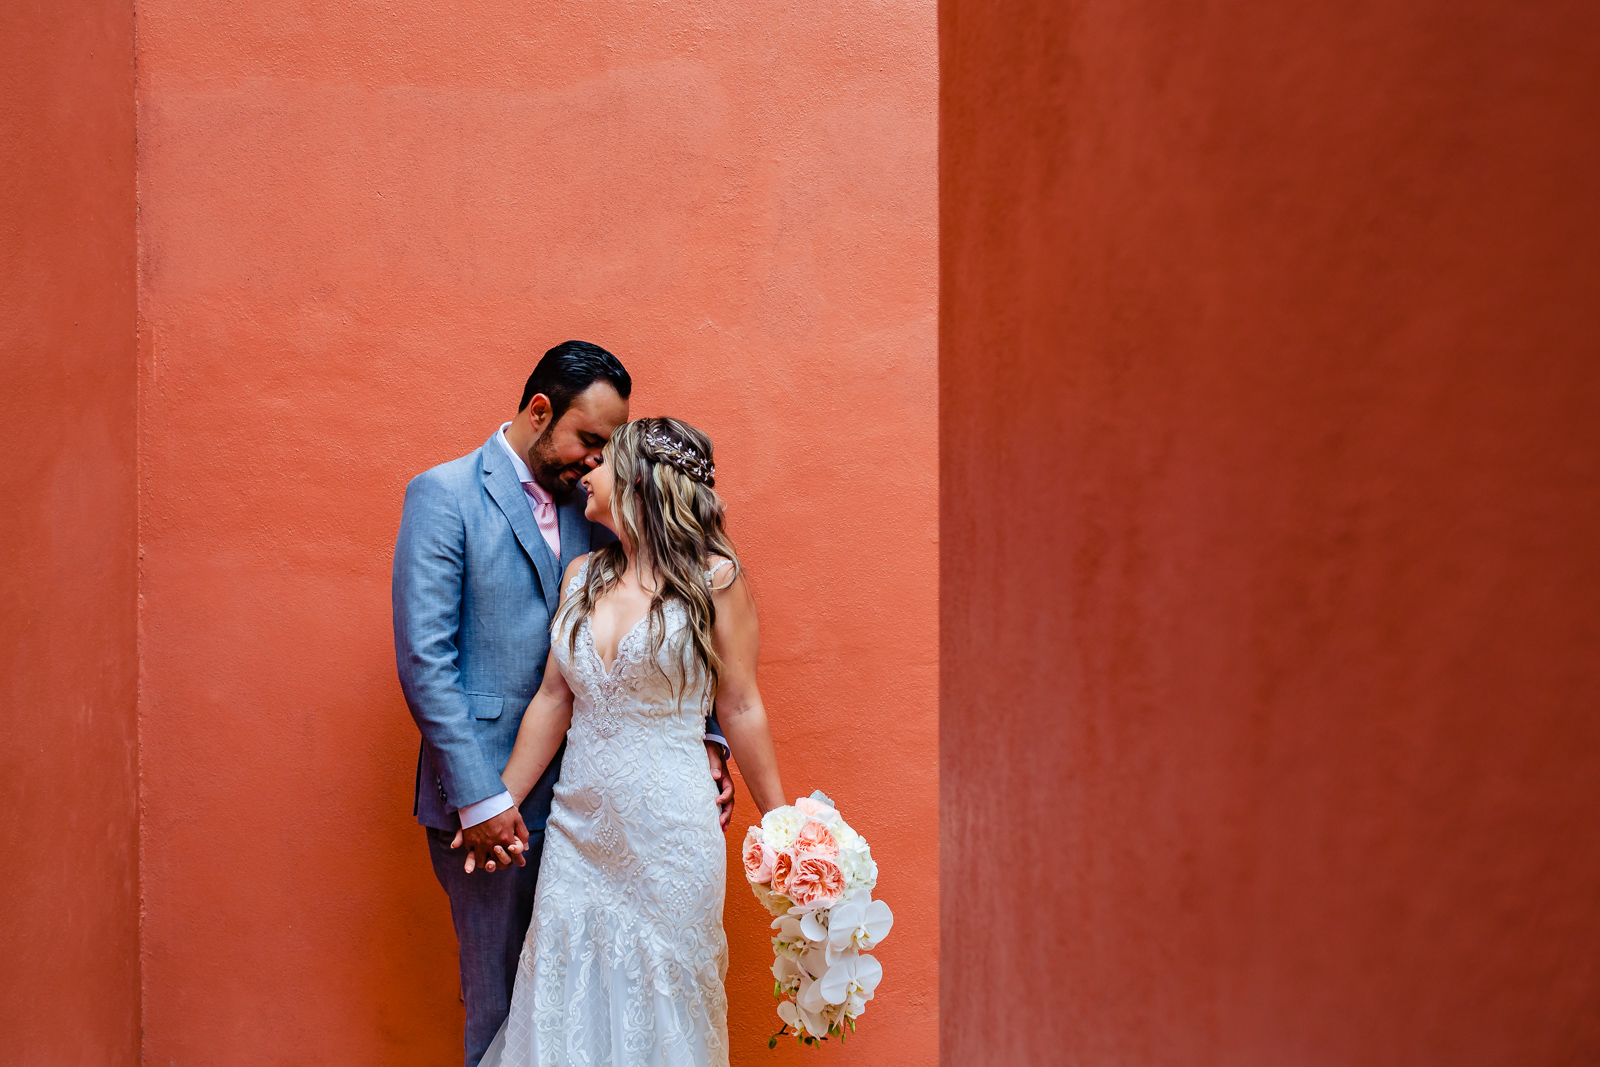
(815, 875)
(855, 857)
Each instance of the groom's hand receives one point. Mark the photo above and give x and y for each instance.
(724, 779)
(497, 842)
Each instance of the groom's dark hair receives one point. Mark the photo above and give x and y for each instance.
(568, 369)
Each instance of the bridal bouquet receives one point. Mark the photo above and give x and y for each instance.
(815, 875)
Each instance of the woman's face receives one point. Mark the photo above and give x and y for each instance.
(598, 482)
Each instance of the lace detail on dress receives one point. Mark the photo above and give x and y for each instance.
(609, 686)
(625, 959)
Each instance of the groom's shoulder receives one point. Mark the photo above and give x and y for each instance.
(450, 478)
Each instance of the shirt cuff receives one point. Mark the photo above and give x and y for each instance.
(484, 810)
(714, 738)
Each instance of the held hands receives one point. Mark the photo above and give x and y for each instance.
(495, 843)
(724, 780)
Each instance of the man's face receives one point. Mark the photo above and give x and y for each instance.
(570, 447)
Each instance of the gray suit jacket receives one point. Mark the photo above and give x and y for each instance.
(475, 587)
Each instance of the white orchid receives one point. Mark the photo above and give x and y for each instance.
(807, 1011)
(814, 961)
(856, 923)
(814, 925)
(790, 941)
(851, 980)
(787, 973)
(792, 1016)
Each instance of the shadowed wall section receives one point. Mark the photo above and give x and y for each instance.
(1270, 411)
(69, 957)
(362, 223)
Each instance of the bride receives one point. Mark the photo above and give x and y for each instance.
(624, 962)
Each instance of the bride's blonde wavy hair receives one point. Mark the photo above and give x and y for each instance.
(664, 502)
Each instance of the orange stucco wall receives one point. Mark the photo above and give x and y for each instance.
(69, 903)
(1270, 414)
(361, 224)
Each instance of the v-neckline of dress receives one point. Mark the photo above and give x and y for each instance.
(594, 647)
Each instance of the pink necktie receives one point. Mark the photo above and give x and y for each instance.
(544, 513)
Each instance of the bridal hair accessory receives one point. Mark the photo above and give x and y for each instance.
(663, 449)
(816, 876)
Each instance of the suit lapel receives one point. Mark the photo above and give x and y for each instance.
(500, 479)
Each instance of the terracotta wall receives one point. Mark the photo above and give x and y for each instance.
(1270, 413)
(361, 225)
(69, 895)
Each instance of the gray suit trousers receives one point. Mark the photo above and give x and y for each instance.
(491, 912)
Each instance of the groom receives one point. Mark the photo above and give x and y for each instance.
(483, 543)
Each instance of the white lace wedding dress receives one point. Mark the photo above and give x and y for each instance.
(625, 959)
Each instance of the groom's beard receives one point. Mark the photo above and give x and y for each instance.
(559, 479)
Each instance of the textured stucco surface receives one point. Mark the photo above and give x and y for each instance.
(69, 904)
(1270, 431)
(361, 224)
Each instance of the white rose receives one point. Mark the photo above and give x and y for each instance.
(780, 826)
(849, 840)
(860, 872)
(775, 903)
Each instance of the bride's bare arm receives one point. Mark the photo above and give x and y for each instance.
(739, 709)
(544, 724)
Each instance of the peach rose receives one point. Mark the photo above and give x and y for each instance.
(782, 868)
(816, 839)
(758, 858)
(808, 806)
(814, 882)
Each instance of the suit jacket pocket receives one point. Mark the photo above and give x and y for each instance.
(485, 705)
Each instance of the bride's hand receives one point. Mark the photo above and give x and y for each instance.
(472, 859)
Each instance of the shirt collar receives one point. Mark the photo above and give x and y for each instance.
(524, 475)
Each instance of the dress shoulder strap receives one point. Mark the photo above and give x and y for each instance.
(711, 574)
(580, 574)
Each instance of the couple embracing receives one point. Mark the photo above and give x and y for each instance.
(577, 643)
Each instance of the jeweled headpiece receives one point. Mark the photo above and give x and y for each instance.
(664, 449)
